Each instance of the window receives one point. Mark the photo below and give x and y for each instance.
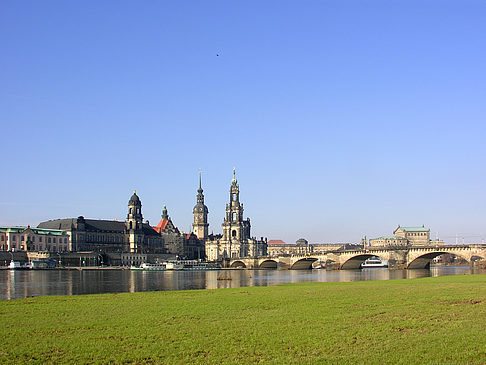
(54, 240)
(65, 240)
(14, 238)
(40, 239)
(234, 216)
(233, 233)
(48, 241)
(3, 239)
(22, 238)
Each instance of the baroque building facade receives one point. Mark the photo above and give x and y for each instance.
(34, 239)
(406, 236)
(132, 236)
(236, 240)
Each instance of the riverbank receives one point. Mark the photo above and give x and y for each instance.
(429, 320)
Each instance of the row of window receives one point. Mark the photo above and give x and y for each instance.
(97, 238)
(33, 239)
(417, 234)
(38, 248)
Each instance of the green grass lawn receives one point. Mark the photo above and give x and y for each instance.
(431, 320)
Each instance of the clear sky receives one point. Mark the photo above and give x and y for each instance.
(342, 118)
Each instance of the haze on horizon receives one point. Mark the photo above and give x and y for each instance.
(342, 119)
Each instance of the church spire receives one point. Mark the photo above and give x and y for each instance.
(234, 181)
(200, 190)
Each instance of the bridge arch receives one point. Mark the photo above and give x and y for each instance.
(303, 264)
(356, 261)
(423, 261)
(238, 265)
(268, 264)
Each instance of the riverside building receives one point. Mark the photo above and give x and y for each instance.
(133, 237)
(406, 236)
(34, 239)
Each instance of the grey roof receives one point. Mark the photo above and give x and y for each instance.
(148, 230)
(94, 225)
(64, 224)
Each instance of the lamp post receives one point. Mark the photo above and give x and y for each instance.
(59, 261)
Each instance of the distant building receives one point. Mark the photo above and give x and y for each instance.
(406, 236)
(279, 247)
(34, 239)
(131, 236)
(184, 245)
(302, 247)
(236, 240)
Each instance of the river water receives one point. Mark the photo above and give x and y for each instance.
(27, 283)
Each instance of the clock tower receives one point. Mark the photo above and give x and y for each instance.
(200, 226)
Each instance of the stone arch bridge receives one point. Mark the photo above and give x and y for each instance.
(398, 258)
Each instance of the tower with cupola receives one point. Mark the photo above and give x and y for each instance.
(200, 227)
(134, 224)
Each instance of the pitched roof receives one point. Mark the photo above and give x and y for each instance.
(159, 228)
(64, 224)
(276, 242)
(413, 229)
(148, 230)
(41, 231)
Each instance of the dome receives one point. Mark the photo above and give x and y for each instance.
(200, 208)
(134, 200)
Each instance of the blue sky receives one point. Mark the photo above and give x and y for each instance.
(343, 119)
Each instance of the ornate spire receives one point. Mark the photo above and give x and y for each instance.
(234, 181)
(165, 215)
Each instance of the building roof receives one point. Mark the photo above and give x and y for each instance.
(20, 229)
(413, 229)
(387, 238)
(276, 242)
(161, 225)
(148, 230)
(90, 224)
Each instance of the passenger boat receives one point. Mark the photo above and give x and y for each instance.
(200, 266)
(319, 265)
(374, 262)
(173, 266)
(149, 267)
(16, 265)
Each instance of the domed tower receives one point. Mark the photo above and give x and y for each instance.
(200, 226)
(134, 223)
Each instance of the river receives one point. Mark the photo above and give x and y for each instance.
(27, 283)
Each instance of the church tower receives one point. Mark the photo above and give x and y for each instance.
(134, 224)
(200, 226)
(236, 231)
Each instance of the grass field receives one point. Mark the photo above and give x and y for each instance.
(420, 321)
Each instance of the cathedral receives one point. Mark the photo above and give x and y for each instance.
(134, 236)
(236, 240)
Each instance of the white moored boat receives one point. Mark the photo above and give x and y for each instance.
(149, 267)
(173, 266)
(374, 262)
